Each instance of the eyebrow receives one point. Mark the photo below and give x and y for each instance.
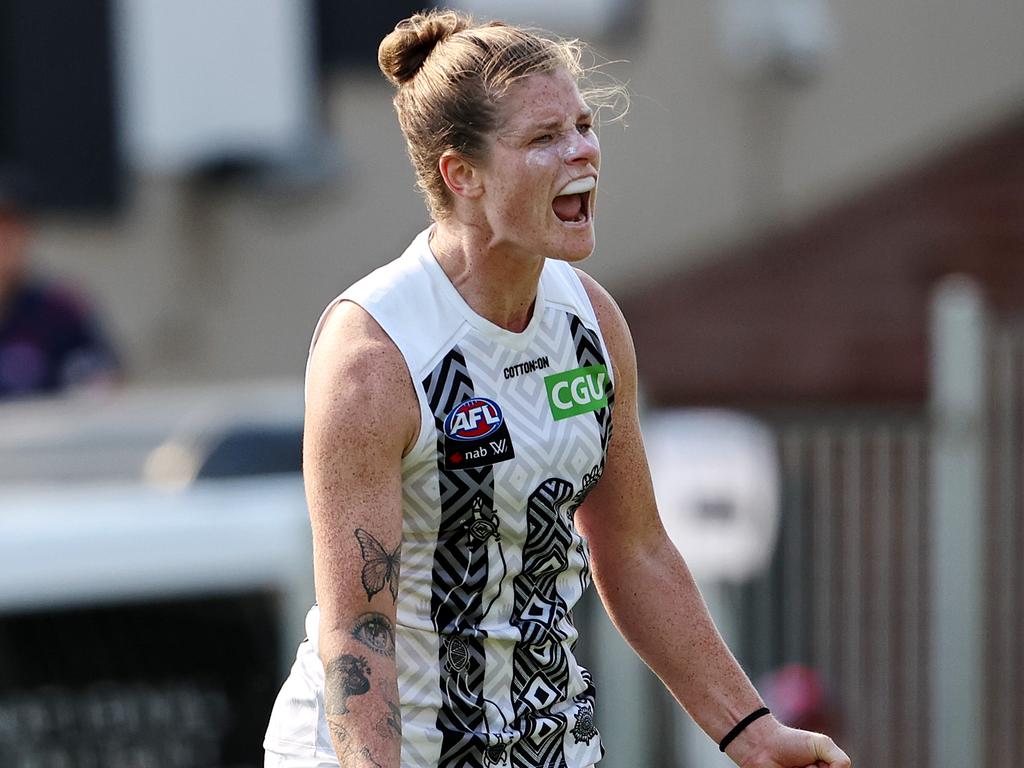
(554, 123)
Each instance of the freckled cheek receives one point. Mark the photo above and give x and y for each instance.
(543, 157)
(528, 214)
(507, 208)
(529, 205)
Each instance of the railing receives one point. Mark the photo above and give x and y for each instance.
(899, 571)
(848, 591)
(899, 574)
(1004, 583)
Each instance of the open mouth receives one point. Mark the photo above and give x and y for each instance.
(572, 205)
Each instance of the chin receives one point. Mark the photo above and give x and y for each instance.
(579, 247)
(573, 256)
(571, 242)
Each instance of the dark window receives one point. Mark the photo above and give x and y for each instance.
(58, 144)
(348, 33)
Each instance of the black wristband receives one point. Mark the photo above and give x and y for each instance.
(741, 725)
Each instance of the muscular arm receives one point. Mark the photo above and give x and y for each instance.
(361, 415)
(653, 600)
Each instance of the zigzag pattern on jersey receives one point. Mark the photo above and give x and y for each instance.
(567, 449)
(562, 445)
(525, 394)
(540, 666)
(417, 645)
(416, 655)
(459, 577)
(588, 352)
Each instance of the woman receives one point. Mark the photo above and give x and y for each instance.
(461, 403)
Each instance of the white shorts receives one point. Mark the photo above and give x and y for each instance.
(275, 760)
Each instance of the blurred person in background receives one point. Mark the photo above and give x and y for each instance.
(50, 338)
(461, 473)
(798, 697)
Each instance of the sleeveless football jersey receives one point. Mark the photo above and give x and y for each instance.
(514, 433)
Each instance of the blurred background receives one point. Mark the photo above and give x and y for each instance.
(812, 215)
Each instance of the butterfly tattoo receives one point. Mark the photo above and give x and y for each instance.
(380, 568)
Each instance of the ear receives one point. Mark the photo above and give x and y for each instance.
(460, 175)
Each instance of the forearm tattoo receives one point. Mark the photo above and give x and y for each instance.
(390, 725)
(345, 677)
(380, 567)
(375, 631)
(349, 754)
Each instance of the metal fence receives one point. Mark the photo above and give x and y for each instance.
(848, 590)
(898, 575)
(873, 534)
(1004, 546)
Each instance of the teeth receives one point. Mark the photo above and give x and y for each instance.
(578, 186)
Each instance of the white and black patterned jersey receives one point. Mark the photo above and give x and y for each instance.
(514, 433)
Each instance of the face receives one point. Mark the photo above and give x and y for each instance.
(540, 176)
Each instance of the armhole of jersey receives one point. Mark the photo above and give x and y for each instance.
(417, 389)
(588, 313)
(316, 335)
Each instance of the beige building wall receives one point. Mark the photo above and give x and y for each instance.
(215, 284)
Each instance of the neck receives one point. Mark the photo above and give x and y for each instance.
(497, 283)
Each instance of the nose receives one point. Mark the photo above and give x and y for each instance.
(583, 148)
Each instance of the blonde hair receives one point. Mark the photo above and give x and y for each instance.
(451, 73)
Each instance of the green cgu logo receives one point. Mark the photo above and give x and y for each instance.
(580, 390)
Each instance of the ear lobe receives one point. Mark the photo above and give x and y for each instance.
(460, 176)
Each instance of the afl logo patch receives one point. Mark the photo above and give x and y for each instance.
(473, 420)
(476, 435)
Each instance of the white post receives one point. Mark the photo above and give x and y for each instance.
(958, 396)
(624, 709)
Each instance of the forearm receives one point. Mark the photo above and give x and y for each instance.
(656, 605)
(361, 693)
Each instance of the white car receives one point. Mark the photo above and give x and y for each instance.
(155, 565)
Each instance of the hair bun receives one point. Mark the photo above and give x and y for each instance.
(403, 51)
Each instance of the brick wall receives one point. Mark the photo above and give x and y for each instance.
(835, 310)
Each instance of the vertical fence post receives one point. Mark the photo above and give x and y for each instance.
(958, 380)
(629, 736)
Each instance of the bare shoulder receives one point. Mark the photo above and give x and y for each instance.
(358, 381)
(613, 327)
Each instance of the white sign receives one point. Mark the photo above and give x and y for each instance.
(716, 480)
(206, 79)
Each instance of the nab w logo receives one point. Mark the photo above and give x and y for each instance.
(476, 435)
(581, 390)
(473, 419)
